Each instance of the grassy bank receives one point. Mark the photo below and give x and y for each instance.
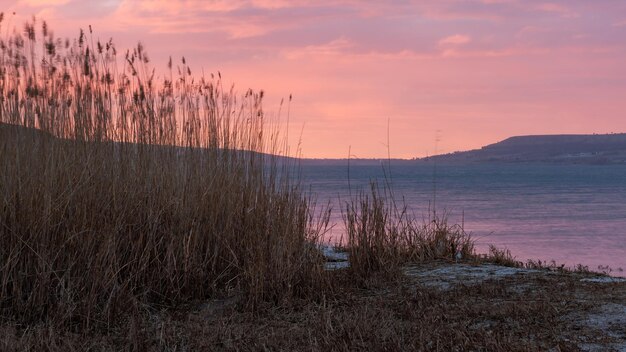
(119, 190)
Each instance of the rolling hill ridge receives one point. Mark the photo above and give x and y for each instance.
(565, 148)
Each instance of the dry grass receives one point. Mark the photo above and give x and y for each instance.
(504, 257)
(382, 234)
(519, 313)
(119, 191)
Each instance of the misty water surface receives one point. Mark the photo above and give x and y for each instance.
(568, 213)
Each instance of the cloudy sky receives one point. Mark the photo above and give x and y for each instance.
(463, 72)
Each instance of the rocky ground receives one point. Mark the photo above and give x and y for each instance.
(592, 308)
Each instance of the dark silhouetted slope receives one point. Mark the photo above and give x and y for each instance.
(588, 149)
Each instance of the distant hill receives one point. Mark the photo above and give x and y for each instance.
(565, 148)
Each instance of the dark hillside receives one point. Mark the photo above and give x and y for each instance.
(589, 149)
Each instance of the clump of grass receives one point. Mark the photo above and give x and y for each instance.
(505, 258)
(120, 190)
(502, 256)
(440, 240)
(372, 234)
(382, 234)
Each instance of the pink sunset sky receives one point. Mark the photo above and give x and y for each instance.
(466, 72)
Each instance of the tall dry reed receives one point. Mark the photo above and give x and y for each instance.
(382, 234)
(120, 190)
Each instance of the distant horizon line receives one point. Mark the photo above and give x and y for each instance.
(464, 150)
(416, 158)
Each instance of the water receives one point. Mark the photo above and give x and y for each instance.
(572, 214)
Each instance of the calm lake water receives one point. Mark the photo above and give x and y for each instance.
(567, 213)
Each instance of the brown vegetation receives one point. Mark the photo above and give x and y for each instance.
(118, 191)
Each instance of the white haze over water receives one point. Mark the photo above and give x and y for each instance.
(567, 213)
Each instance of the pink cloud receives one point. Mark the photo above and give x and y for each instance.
(498, 1)
(37, 3)
(456, 39)
(332, 48)
(557, 8)
(620, 23)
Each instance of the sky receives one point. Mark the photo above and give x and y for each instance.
(392, 77)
